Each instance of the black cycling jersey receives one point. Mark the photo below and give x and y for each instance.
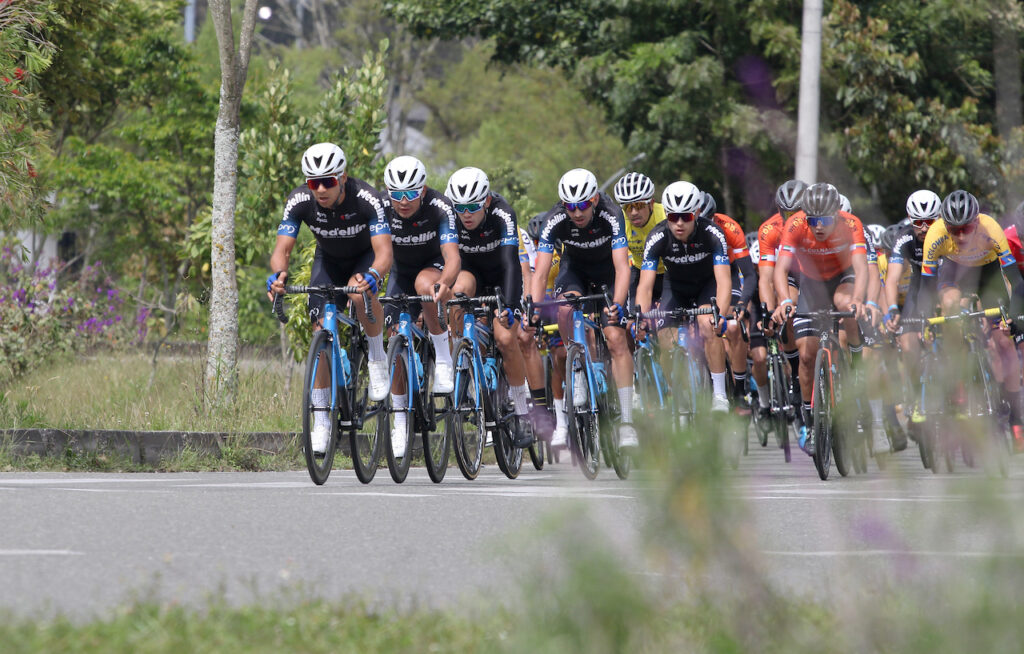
(492, 249)
(417, 240)
(689, 264)
(908, 250)
(342, 231)
(590, 246)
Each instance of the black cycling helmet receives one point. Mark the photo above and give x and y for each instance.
(888, 240)
(960, 208)
(708, 207)
(536, 226)
(787, 197)
(821, 199)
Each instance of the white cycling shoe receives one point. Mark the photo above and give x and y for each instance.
(720, 404)
(378, 379)
(560, 437)
(444, 377)
(320, 436)
(627, 437)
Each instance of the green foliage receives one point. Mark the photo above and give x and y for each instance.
(25, 52)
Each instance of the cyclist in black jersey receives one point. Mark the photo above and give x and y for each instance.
(489, 248)
(696, 260)
(426, 247)
(353, 248)
(594, 254)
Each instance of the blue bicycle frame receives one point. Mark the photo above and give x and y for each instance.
(596, 376)
(660, 385)
(486, 369)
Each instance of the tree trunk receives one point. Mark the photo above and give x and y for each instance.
(1005, 18)
(222, 344)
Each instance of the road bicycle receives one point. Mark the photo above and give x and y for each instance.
(411, 365)
(481, 400)
(649, 378)
(591, 402)
(349, 408)
(781, 411)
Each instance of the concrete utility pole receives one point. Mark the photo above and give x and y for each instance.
(190, 21)
(810, 83)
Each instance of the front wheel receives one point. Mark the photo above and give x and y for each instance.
(508, 456)
(398, 368)
(822, 415)
(468, 413)
(437, 429)
(583, 425)
(320, 354)
(366, 430)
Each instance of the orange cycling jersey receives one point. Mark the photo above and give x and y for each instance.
(826, 259)
(769, 237)
(734, 237)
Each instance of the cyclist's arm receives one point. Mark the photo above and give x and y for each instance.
(382, 254)
(746, 266)
(766, 286)
(510, 288)
(282, 253)
(452, 263)
(781, 278)
(620, 259)
(892, 284)
(540, 275)
(723, 292)
(874, 283)
(527, 277)
(859, 261)
(645, 289)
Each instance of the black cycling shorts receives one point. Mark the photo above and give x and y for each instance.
(336, 272)
(816, 295)
(403, 282)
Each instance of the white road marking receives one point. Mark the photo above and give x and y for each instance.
(865, 553)
(40, 553)
(363, 493)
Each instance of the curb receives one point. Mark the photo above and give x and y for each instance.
(141, 447)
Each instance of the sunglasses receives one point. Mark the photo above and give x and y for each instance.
(923, 222)
(685, 217)
(471, 207)
(961, 230)
(636, 206)
(577, 206)
(398, 196)
(820, 221)
(327, 182)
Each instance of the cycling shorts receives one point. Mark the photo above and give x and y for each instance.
(328, 270)
(816, 295)
(402, 281)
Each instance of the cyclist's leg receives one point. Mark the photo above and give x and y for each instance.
(444, 371)
(465, 283)
(758, 355)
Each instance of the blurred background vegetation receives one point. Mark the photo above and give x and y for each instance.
(107, 114)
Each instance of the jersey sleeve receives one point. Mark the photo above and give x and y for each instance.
(734, 238)
(903, 250)
(792, 234)
(654, 246)
(767, 243)
(298, 202)
(550, 233)
(618, 225)
(935, 243)
(719, 246)
(447, 229)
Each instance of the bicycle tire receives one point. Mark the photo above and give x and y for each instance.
(583, 424)
(646, 383)
(779, 398)
(319, 467)
(398, 361)
(436, 427)
(996, 435)
(608, 412)
(366, 430)
(683, 398)
(469, 436)
(842, 425)
(508, 456)
(822, 415)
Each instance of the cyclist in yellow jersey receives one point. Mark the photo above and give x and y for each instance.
(635, 193)
(977, 260)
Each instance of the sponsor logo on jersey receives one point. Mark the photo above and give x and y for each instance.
(685, 259)
(295, 200)
(338, 232)
(415, 239)
(478, 249)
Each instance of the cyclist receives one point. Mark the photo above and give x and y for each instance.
(426, 246)
(635, 194)
(353, 248)
(769, 240)
(832, 254)
(976, 259)
(744, 287)
(696, 260)
(758, 345)
(489, 248)
(594, 254)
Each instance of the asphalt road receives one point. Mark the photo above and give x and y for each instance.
(84, 544)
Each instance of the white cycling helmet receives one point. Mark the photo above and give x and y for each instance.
(468, 186)
(923, 205)
(874, 231)
(844, 204)
(577, 185)
(323, 160)
(755, 251)
(405, 173)
(681, 197)
(634, 187)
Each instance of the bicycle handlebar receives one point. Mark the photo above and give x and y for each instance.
(326, 289)
(968, 315)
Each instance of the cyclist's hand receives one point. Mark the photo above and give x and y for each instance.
(534, 316)
(613, 312)
(508, 318)
(892, 321)
(441, 293)
(779, 315)
(275, 284)
(874, 314)
(740, 313)
(857, 309)
(366, 282)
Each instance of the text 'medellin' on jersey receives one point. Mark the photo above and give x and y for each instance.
(342, 231)
(589, 245)
(687, 260)
(417, 240)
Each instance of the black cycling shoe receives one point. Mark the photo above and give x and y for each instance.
(765, 411)
(523, 437)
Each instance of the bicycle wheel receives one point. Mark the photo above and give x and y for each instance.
(683, 399)
(822, 415)
(646, 382)
(608, 414)
(319, 466)
(844, 424)
(398, 365)
(436, 426)
(778, 400)
(508, 456)
(583, 424)
(366, 430)
(468, 413)
(994, 434)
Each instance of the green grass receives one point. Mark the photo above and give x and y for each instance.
(113, 391)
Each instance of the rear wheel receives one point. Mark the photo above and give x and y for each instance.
(822, 411)
(366, 431)
(468, 418)
(320, 352)
(435, 429)
(398, 367)
(779, 400)
(508, 456)
(583, 424)
(683, 397)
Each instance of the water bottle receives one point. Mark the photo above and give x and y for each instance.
(346, 366)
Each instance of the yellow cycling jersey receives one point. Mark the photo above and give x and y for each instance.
(986, 244)
(638, 237)
(905, 275)
(556, 259)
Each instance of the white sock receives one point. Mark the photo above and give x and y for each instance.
(876, 410)
(321, 398)
(399, 402)
(441, 350)
(626, 404)
(762, 397)
(718, 383)
(376, 347)
(520, 398)
(560, 414)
